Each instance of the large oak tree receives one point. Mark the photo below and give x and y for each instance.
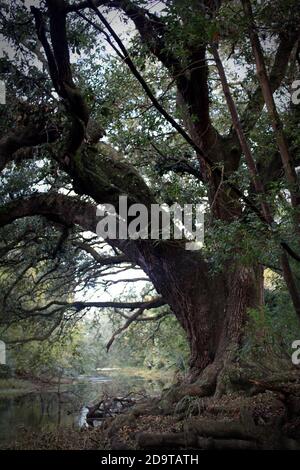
(221, 146)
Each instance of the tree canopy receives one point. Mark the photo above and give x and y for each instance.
(171, 101)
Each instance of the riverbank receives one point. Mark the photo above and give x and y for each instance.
(15, 386)
(236, 422)
(146, 374)
(26, 382)
(38, 414)
(265, 417)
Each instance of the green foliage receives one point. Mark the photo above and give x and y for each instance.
(83, 350)
(134, 127)
(5, 371)
(270, 333)
(151, 345)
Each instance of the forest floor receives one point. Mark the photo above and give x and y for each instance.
(264, 416)
(235, 421)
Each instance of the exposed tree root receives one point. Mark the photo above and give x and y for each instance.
(182, 440)
(146, 440)
(228, 411)
(208, 434)
(203, 387)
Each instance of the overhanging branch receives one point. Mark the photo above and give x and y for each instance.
(79, 306)
(30, 136)
(103, 260)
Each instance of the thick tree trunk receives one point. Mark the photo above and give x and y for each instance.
(216, 329)
(214, 313)
(212, 310)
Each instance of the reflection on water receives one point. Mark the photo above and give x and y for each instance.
(47, 410)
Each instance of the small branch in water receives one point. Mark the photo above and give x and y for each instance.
(109, 407)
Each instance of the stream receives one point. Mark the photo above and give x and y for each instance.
(49, 409)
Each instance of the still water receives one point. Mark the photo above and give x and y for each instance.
(50, 409)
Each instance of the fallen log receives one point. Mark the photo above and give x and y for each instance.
(220, 429)
(225, 444)
(147, 440)
(108, 408)
(284, 389)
